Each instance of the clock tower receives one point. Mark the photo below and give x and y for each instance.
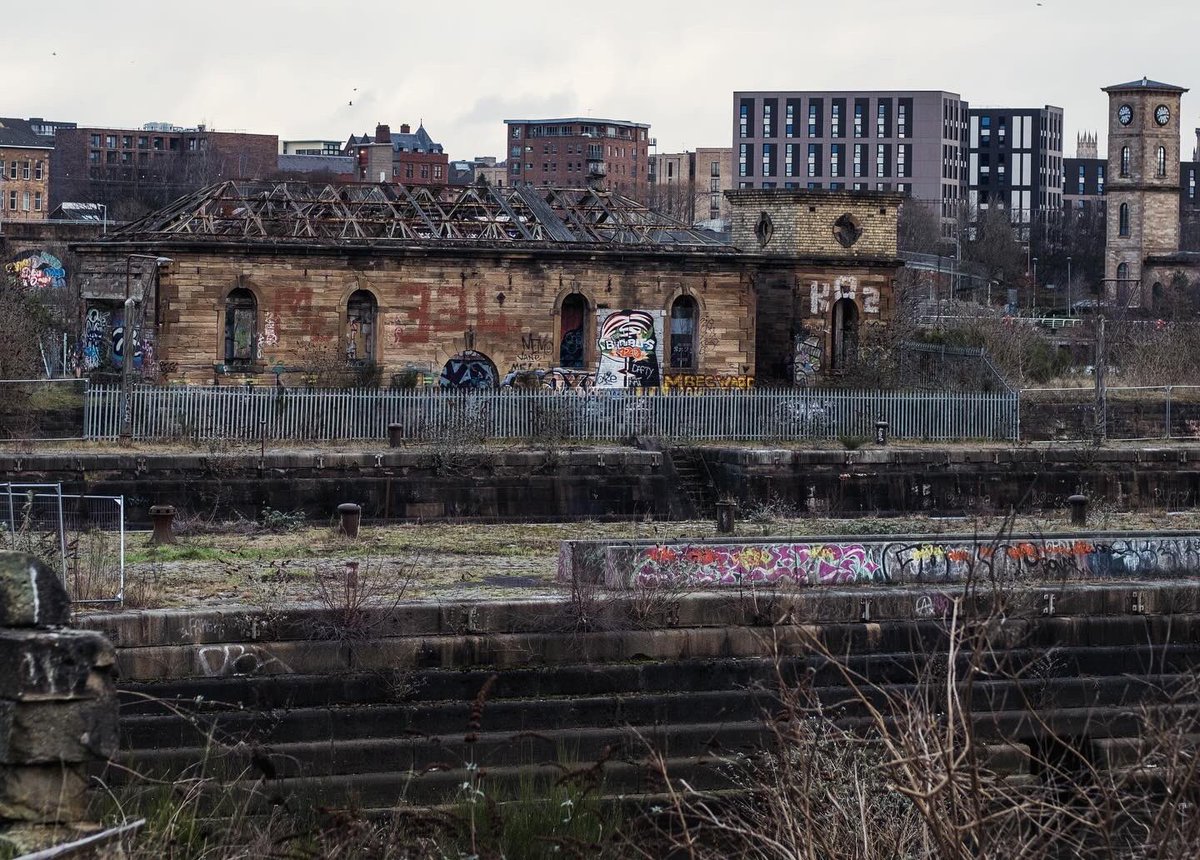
(1142, 185)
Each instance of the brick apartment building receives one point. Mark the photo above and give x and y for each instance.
(408, 157)
(577, 152)
(134, 170)
(911, 142)
(24, 172)
(691, 186)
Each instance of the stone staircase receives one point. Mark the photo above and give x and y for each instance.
(518, 705)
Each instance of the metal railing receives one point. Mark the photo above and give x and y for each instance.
(200, 413)
(1130, 413)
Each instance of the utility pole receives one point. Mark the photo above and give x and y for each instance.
(128, 335)
(1100, 431)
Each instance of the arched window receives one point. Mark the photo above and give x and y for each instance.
(845, 334)
(683, 333)
(1124, 160)
(1122, 273)
(361, 310)
(1123, 220)
(572, 317)
(241, 328)
(1162, 161)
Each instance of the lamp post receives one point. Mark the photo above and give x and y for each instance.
(127, 338)
(1033, 288)
(1070, 310)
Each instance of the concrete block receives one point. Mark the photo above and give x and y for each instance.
(31, 594)
(60, 664)
(47, 732)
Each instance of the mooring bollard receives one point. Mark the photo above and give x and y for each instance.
(881, 432)
(1078, 503)
(395, 435)
(351, 515)
(162, 516)
(725, 517)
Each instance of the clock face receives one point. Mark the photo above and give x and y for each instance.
(1125, 114)
(1162, 114)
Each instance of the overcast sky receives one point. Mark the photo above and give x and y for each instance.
(307, 69)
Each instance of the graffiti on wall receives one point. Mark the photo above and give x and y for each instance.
(37, 270)
(95, 335)
(469, 369)
(535, 352)
(628, 342)
(681, 382)
(823, 295)
(809, 350)
(270, 333)
(940, 560)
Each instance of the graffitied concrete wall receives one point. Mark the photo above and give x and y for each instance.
(848, 561)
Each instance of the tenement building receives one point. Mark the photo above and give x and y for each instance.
(577, 152)
(265, 283)
(911, 142)
(24, 172)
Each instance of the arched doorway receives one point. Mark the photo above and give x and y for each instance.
(241, 328)
(572, 317)
(683, 333)
(845, 334)
(469, 369)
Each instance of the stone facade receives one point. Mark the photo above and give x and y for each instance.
(446, 310)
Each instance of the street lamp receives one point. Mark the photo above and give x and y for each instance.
(1070, 311)
(127, 337)
(1033, 289)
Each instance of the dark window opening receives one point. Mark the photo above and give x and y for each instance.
(241, 327)
(683, 333)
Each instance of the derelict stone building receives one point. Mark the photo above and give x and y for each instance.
(264, 282)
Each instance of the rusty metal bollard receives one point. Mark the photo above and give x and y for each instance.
(1079, 506)
(162, 516)
(395, 435)
(725, 519)
(351, 516)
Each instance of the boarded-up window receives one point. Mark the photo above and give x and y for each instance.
(570, 338)
(361, 311)
(241, 323)
(683, 334)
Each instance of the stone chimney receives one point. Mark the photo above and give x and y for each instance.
(405, 128)
(383, 133)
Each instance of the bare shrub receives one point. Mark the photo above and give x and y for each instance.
(357, 596)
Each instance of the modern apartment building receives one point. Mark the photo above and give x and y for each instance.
(310, 147)
(691, 186)
(1016, 162)
(1083, 176)
(913, 142)
(24, 172)
(609, 154)
(137, 169)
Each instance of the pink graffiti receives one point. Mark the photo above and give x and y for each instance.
(724, 564)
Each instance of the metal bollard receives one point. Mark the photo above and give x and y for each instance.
(881, 432)
(351, 516)
(1079, 504)
(725, 519)
(162, 516)
(395, 435)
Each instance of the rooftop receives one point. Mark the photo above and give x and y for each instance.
(1145, 84)
(17, 133)
(392, 214)
(586, 120)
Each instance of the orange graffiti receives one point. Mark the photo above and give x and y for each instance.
(663, 555)
(958, 555)
(701, 556)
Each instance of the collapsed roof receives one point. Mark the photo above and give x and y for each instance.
(304, 213)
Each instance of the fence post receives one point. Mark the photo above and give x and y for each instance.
(1168, 428)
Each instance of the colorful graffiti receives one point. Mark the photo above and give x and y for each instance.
(808, 354)
(37, 270)
(677, 382)
(755, 564)
(469, 369)
(95, 335)
(926, 560)
(628, 342)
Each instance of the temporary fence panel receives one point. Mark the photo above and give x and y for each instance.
(85, 535)
(1130, 413)
(359, 414)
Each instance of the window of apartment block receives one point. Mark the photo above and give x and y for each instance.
(37, 170)
(1191, 184)
(837, 108)
(714, 168)
(516, 132)
(110, 157)
(143, 142)
(1081, 184)
(1100, 179)
(12, 200)
(904, 159)
(94, 156)
(126, 141)
(904, 108)
(883, 118)
(745, 120)
(110, 141)
(13, 168)
(744, 155)
(837, 159)
(791, 107)
(985, 130)
(26, 169)
(94, 139)
(770, 106)
(858, 159)
(25, 201)
(1001, 129)
(37, 201)
(158, 143)
(882, 168)
(768, 159)
(815, 106)
(789, 160)
(860, 111)
(516, 167)
(814, 159)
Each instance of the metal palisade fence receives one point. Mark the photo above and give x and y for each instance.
(184, 412)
